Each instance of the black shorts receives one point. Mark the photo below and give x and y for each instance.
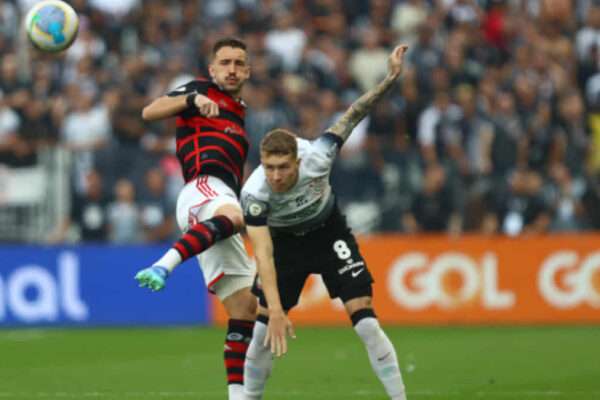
(331, 251)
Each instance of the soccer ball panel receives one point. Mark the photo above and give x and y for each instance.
(51, 25)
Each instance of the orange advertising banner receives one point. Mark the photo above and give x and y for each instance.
(469, 280)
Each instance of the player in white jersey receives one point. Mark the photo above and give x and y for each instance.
(296, 229)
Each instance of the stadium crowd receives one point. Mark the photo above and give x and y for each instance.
(494, 127)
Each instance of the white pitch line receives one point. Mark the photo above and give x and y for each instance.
(287, 394)
(23, 336)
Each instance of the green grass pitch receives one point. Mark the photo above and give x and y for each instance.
(323, 363)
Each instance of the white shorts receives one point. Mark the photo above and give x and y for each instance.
(225, 265)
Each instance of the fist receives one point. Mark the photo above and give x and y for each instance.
(206, 106)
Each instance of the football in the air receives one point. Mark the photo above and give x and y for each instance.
(52, 25)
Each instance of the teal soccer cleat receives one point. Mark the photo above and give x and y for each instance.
(154, 277)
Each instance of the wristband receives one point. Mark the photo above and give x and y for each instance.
(190, 100)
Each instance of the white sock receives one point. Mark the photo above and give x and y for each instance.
(258, 365)
(170, 260)
(236, 392)
(382, 356)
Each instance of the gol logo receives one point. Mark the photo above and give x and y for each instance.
(450, 280)
(565, 281)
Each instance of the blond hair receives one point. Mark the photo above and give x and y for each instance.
(279, 142)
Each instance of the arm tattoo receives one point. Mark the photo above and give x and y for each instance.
(361, 107)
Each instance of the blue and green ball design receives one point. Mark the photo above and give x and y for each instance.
(52, 25)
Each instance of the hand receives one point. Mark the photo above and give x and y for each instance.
(206, 106)
(279, 326)
(153, 277)
(396, 60)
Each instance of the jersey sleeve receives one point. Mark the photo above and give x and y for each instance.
(323, 152)
(255, 211)
(195, 86)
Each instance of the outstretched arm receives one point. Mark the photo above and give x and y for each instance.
(361, 107)
(169, 106)
(279, 324)
(164, 107)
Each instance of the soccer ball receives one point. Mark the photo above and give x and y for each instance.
(52, 25)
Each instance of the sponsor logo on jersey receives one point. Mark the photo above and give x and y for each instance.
(347, 268)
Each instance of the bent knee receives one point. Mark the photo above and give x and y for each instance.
(234, 213)
(241, 305)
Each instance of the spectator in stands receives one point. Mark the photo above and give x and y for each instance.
(86, 128)
(574, 140)
(507, 144)
(263, 115)
(9, 126)
(436, 127)
(406, 19)
(88, 219)
(124, 214)
(425, 55)
(286, 40)
(567, 205)
(518, 207)
(157, 212)
(434, 207)
(368, 63)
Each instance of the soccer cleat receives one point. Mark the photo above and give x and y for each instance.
(153, 277)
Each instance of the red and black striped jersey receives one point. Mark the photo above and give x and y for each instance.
(212, 146)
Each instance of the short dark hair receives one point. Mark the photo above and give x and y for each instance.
(228, 42)
(280, 142)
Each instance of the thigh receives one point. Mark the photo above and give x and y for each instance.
(201, 198)
(289, 284)
(344, 270)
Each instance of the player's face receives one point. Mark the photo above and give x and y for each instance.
(229, 69)
(281, 171)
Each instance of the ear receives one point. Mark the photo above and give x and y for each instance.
(211, 70)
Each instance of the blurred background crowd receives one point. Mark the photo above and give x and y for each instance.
(494, 127)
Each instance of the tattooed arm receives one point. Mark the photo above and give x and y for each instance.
(361, 107)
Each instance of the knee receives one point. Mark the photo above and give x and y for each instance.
(234, 214)
(366, 325)
(249, 307)
(241, 305)
(252, 306)
(238, 222)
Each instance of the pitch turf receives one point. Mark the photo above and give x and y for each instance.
(323, 363)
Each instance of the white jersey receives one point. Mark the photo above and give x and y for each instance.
(308, 203)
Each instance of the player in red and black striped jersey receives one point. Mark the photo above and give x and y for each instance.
(215, 146)
(212, 148)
